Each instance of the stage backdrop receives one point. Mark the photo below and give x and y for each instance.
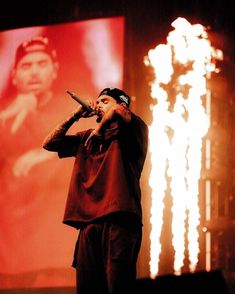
(36, 249)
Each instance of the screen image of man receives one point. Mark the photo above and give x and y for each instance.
(29, 209)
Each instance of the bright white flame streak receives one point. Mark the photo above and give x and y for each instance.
(187, 44)
(157, 130)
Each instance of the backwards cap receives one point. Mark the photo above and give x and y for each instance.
(119, 95)
(34, 44)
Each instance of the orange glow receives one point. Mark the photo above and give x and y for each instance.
(179, 124)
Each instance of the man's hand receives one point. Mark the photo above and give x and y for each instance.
(19, 109)
(83, 112)
(118, 110)
(96, 133)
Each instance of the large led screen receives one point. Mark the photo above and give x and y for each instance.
(36, 249)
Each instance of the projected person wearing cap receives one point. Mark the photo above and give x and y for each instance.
(27, 184)
(104, 199)
(34, 72)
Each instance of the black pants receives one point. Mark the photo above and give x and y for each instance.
(105, 257)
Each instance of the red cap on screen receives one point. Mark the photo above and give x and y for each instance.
(34, 44)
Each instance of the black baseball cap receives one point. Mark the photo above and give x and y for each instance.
(119, 95)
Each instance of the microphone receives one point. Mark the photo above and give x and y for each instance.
(82, 102)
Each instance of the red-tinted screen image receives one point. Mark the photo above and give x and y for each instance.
(36, 249)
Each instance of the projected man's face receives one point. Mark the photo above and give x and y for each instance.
(35, 73)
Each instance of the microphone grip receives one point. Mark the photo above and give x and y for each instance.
(80, 101)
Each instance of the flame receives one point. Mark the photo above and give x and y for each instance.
(179, 124)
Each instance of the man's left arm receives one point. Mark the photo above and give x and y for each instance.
(119, 112)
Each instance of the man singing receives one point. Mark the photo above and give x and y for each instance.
(104, 199)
